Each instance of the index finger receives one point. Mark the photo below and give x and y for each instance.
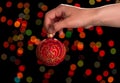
(51, 15)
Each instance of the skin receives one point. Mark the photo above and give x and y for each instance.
(68, 16)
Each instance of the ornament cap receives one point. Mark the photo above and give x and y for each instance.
(50, 35)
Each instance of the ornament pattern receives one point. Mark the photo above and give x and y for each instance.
(51, 52)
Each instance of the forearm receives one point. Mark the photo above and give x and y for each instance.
(108, 15)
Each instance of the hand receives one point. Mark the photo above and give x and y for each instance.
(67, 16)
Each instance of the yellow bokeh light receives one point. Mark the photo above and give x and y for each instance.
(92, 2)
(26, 10)
(99, 44)
(4, 56)
(80, 63)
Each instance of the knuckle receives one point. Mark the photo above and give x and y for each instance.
(61, 6)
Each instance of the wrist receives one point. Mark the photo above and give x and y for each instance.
(95, 20)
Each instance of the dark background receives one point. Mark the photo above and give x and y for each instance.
(9, 68)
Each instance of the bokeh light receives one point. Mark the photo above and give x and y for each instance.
(20, 75)
(1, 9)
(29, 79)
(88, 72)
(3, 19)
(110, 79)
(92, 54)
(3, 56)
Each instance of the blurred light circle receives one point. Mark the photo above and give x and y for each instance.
(42, 68)
(12, 58)
(17, 80)
(114, 71)
(1, 9)
(69, 1)
(21, 15)
(113, 51)
(97, 64)
(26, 16)
(3, 56)
(68, 80)
(28, 32)
(44, 7)
(67, 57)
(20, 5)
(29, 79)
(38, 22)
(26, 10)
(40, 4)
(80, 63)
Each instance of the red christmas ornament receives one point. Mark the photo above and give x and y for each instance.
(51, 51)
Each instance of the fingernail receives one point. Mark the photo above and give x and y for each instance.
(51, 29)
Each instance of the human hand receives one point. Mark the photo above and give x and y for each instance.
(67, 16)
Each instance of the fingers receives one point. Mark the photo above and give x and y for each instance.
(65, 23)
(48, 20)
(51, 31)
(57, 26)
(52, 15)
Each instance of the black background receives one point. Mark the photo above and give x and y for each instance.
(8, 69)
